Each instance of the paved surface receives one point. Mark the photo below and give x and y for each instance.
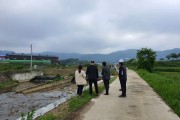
(141, 103)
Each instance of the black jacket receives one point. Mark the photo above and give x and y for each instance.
(122, 72)
(92, 72)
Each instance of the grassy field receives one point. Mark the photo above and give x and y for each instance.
(12, 67)
(166, 84)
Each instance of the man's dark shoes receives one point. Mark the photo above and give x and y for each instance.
(122, 96)
(120, 89)
(106, 94)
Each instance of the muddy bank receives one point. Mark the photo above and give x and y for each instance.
(16, 86)
(8, 89)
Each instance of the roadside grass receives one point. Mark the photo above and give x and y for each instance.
(73, 104)
(8, 83)
(167, 85)
(48, 117)
(167, 69)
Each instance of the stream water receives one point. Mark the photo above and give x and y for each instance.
(12, 104)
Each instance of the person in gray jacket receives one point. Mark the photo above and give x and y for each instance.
(106, 77)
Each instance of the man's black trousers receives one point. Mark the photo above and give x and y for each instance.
(106, 85)
(95, 85)
(123, 86)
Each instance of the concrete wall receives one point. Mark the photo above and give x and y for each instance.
(22, 77)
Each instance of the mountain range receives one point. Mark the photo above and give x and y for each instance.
(111, 57)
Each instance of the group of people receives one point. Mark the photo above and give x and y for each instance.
(92, 76)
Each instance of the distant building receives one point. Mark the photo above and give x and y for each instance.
(17, 56)
(2, 57)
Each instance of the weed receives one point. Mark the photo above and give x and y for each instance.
(30, 115)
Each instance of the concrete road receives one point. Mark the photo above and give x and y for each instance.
(141, 103)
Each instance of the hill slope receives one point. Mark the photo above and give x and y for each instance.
(111, 57)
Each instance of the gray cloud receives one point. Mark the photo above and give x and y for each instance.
(96, 26)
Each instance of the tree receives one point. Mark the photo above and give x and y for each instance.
(161, 59)
(174, 55)
(146, 59)
(168, 57)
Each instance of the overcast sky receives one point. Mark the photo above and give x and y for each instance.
(89, 26)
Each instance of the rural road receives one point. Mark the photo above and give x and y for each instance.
(141, 103)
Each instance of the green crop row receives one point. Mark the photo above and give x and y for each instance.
(167, 69)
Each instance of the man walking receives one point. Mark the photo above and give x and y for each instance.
(92, 75)
(106, 77)
(122, 77)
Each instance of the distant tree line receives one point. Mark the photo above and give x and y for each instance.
(73, 62)
(173, 56)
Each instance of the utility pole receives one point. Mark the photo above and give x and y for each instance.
(31, 58)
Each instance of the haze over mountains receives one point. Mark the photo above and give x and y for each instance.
(111, 57)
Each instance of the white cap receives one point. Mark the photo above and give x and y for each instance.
(121, 60)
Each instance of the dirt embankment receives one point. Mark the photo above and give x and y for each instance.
(4, 77)
(55, 71)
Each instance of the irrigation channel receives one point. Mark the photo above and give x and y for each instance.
(29, 96)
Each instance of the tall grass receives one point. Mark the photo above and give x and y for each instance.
(167, 85)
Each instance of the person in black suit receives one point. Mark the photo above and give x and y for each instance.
(106, 77)
(122, 77)
(92, 75)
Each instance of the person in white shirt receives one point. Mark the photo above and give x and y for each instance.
(80, 79)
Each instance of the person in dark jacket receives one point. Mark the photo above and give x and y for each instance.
(122, 77)
(106, 77)
(92, 76)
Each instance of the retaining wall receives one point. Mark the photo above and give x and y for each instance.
(22, 77)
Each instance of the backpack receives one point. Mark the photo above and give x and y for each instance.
(73, 80)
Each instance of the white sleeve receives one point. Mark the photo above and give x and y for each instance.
(84, 75)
